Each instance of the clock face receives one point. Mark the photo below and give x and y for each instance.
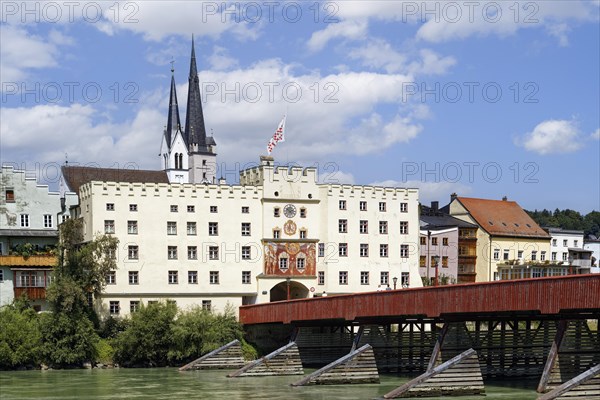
(289, 211)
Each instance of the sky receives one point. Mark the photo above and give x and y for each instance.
(485, 99)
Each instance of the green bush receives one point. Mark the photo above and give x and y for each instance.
(20, 339)
(105, 352)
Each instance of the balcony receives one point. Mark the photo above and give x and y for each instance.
(33, 293)
(31, 261)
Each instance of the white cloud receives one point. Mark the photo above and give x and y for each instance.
(379, 54)
(552, 136)
(220, 59)
(431, 63)
(344, 29)
(596, 135)
(333, 175)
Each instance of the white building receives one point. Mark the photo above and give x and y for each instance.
(592, 243)
(29, 218)
(567, 246)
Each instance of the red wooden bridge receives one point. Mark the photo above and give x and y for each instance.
(560, 297)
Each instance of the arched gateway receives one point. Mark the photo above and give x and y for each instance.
(296, 291)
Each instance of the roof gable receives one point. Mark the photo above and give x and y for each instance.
(75, 177)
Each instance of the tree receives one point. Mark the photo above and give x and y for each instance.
(20, 338)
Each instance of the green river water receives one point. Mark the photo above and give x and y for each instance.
(169, 383)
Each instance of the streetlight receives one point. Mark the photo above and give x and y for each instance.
(436, 260)
(395, 281)
(287, 281)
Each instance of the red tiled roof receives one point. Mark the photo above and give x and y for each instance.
(502, 218)
(75, 177)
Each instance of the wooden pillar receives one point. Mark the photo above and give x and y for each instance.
(438, 347)
(551, 360)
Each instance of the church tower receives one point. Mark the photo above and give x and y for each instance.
(201, 149)
(174, 152)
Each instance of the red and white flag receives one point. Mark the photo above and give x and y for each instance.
(279, 136)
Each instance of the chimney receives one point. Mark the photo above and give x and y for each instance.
(453, 197)
(504, 198)
(435, 205)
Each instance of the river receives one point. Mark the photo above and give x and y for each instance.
(169, 383)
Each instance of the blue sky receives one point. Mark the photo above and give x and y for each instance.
(485, 99)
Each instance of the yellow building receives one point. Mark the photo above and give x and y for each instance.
(510, 244)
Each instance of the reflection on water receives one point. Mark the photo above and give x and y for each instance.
(168, 383)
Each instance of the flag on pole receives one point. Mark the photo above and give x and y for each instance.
(279, 136)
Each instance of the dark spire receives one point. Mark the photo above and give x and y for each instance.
(173, 122)
(195, 132)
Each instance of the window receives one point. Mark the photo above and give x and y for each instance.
(132, 252)
(213, 228)
(496, 254)
(422, 261)
(343, 249)
(434, 241)
(543, 256)
(109, 226)
(423, 240)
(382, 206)
(520, 254)
(134, 306)
(364, 277)
(403, 207)
(213, 252)
(245, 228)
(174, 208)
(111, 278)
(191, 209)
(303, 213)
(363, 206)
(575, 243)
(444, 261)
(383, 227)
(193, 277)
(246, 277)
(114, 307)
(533, 255)
(276, 233)
(565, 243)
(47, 221)
(300, 263)
(24, 220)
(213, 209)
(343, 279)
(133, 207)
(191, 228)
(173, 278)
(171, 228)
(192, 252)
(553, 242)
(506, 254)
(276, 212)
(404, 230)
(445, 241)
(383, 250)
(245, 252)
(134, 277)
(63, 218)
(110, 206)
(343, 226)
(553, 256)
(321, 278)
(302, 233)
(565, 256)
(321, 249)
(206, 305)
(364, 226)
(384, 278)
(1, 275)
(214, 277)
(172, 252)
(342, 204)
(132, 227)
(405, 279)
(10, 195)
(245, 210)
(364, 250)
(404, 251)
(283, 263)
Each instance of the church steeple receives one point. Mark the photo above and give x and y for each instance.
(195, 131)
(173, 122)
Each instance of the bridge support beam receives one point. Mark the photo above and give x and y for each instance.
(583, 386)
(358, 366)
(283, 361)
(226, 357)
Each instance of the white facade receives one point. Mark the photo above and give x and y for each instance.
(278, 232)
(594, 246)
(561, 241)
(29, 214)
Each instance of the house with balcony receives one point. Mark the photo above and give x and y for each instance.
(510, 244)
(567, 249)
(29, 218)
(448, 247)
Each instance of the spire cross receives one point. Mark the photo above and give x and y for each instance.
(172, 67)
